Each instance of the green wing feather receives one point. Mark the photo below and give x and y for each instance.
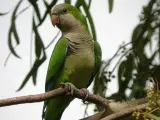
(56, 61)
(97, 62)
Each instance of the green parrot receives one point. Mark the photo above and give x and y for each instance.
(76, 58)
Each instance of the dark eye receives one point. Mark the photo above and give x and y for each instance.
(64, 10)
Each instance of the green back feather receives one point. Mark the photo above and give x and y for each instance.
(57, 57)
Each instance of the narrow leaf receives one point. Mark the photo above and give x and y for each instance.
(15, 11)
(68, 1)
(38, 43)
(110, 3)
(38, 47)
(46, 3)
(89, 4)
(11, 47)
(121, 70)
(33, 70)
(13, 22)
(137, 33)
(34, 77)
(47, 11)
(90, 19)
(37, 34)
(36, 8)
(14, 31)
(3, 14)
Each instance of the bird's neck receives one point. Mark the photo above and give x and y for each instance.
(75, 29)
(78, 34)
(79, 40)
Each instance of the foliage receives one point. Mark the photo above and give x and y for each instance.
(138, 60)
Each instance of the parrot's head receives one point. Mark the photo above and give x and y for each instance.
(66, 17)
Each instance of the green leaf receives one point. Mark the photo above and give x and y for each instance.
(159, 42)
(137, 33)
(110, 2)
(47, 11)
(149, 36)
(121, 70)
(152, 116)
(38, 41)
(138, 41)
(68, 1)
(125, 72)
(78, 3)
(38, 47)
(13, 31)
(13, 26)
(156, 112)
(3, 14)
(89, 4)
(32, 72)
(36, 8)
(34, 77)
(89, 16)
(46, 3)
(11, 47)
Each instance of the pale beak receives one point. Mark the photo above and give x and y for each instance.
(55, 19)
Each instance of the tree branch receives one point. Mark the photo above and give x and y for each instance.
(124, 113)
(122, 109)
(52, 94)
(117, 110)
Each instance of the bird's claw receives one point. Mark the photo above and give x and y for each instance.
(69, 87)
(86, 92)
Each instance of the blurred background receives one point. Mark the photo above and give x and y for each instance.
(127, 30)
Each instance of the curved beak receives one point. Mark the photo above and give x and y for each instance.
(54, 19)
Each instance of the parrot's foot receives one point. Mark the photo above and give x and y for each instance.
(69, 87)
(86, 92)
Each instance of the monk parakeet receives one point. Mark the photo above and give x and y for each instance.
(76, 58)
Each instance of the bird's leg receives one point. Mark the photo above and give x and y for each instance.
(69, 87)
(86, 92)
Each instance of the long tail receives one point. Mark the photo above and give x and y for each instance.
(55, 107)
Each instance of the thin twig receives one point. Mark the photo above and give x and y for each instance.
(23, 10)
(116, 53)
(120, 60)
